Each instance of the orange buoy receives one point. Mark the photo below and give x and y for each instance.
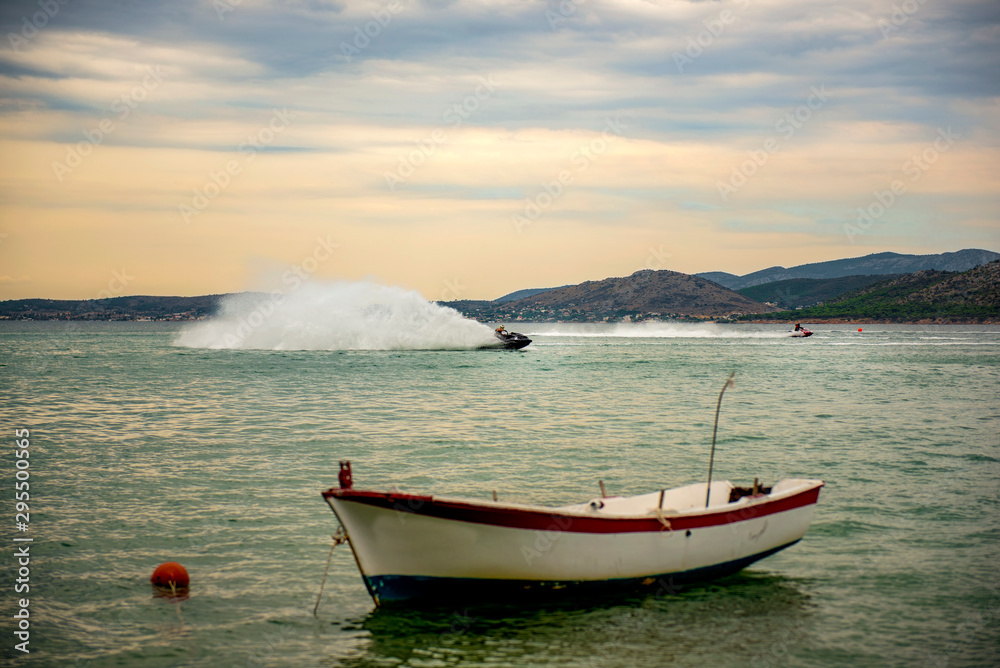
(859, 329)
(170, 575)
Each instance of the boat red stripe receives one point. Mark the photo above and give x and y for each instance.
(516, 518)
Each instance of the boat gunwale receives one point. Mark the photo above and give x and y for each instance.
(525, 516)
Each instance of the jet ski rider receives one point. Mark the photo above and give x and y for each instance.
(797, 327)
(500, 332)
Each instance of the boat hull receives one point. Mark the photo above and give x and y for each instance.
(388, 589)
(415, 547)
(509, 345)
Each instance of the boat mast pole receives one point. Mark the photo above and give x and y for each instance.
(715, 429)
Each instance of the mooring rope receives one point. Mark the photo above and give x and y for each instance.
(338, 538)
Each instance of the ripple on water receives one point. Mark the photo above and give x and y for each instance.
(144, 452)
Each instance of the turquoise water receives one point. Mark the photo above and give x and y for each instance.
(143, 451)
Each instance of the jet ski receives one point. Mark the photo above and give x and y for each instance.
(801, 332)
(507, 341)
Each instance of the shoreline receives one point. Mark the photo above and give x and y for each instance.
(689, 319)
(879, 321)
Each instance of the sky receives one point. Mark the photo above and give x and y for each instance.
(469, 149)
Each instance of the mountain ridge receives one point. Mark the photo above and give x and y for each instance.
(923, 296)
(662, 293)
(793, 293)
(643, 294)
(885, 262)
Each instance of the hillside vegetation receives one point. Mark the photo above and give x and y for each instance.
(800, 292)
(921, 296)
(868, 265)
(644, 294)
(112, 308)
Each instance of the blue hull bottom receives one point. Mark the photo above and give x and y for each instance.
(413, 588)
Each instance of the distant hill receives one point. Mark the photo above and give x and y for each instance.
(113, 308)
(800, 292)
(921, 296)
(520, 294)
(927, 294)
(877, 263)
(726, 280)
(646, 292)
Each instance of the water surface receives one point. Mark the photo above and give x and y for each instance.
(145, 451)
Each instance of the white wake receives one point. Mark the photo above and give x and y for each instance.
(659, 330)
(335, 316)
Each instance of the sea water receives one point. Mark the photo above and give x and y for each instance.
(154, 442)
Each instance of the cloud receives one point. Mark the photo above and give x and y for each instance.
(604, 55)
(377, 87)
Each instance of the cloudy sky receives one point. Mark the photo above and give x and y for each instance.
(468, 149)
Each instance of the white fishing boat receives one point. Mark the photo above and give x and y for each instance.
(421, 546)
(410, 546)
